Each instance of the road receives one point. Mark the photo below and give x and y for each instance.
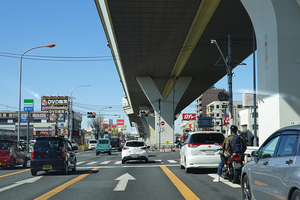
(105, 177)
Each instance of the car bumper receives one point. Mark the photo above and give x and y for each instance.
(5, 161)
(102, 150)
(135, 157)
(202, 162)
(49, 164)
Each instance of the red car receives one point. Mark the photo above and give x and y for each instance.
(12, 154)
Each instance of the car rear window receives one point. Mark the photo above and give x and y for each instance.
(135, 144)
(206, 138)
(4, 145)
(103, 141)
(48, 143)
(92, 141)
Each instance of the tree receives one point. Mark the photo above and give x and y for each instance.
(97, 123)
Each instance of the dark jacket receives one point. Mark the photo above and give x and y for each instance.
(227, 144)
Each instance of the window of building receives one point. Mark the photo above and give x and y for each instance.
(217, 106)
(240, 106)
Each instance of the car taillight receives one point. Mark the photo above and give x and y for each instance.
(194, 145)
(32, 154)
(144, 148)
(63, 153)
(125, 148)
(234, 158)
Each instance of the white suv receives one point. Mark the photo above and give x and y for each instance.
(92, 144)
(134, 150)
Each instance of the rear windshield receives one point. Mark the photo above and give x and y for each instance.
(206, 138)
(135, 144)
(4, 145)
(103, 141)
(92, 141)
(53, 144)
(115, 140)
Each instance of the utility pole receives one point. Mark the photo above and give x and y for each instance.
(159, 130)
(229, 75)
(254, 94)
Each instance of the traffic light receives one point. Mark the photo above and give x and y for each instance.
(91, 114)
(144, 113)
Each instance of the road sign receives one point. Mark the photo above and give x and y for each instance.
(226, 120)
(162, 123)
(23, 117)
(28, 104)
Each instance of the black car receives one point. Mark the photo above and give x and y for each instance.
(116, 144)
(52, 153)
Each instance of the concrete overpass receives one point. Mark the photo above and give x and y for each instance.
(163, 53)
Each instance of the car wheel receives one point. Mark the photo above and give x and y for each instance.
(246, 191)
(146, 160)
(65, 170)
(25, 163)
(33, 172)
(187, 170)
(109, 153)
(296, 195)
(74, 168)
(236, 176)
(123, 161)
(97, 153)
(13, 165)
(181, 166)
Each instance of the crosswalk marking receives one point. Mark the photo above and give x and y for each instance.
(118, 162)
(234, 185)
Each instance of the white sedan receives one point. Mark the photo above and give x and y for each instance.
(201, 150)
(134, 150)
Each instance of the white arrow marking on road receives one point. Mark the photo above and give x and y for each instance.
(123, 180)
(30, 180)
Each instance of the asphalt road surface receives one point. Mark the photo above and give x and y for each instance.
(105, 177)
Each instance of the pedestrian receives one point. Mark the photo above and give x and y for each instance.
(227, 150)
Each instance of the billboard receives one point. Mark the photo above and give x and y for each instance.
(189, 116)
(54, 101)
(120, 122)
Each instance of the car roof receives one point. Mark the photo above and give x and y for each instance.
(204, 132)
(103, 139)
(134, 141)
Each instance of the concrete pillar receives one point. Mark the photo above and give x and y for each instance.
(149, 126)
(163, 108)
(277, 27)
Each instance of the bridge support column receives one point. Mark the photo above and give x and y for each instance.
(277, 27)
(149, 126)
(163, 108)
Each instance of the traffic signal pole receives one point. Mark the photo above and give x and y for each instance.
(229, 75)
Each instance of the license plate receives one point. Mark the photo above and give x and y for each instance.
(234, 164)
(134, 155)
(209, 152)
(47, 167)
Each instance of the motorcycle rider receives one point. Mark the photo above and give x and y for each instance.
(227, 151)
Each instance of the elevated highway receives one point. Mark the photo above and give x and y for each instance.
(166, 40)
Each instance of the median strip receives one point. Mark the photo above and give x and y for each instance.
(183, 189)
(65, 185)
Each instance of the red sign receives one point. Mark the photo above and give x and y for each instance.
(120, 122)
(162, 123)
(189, 116)
(226, 120)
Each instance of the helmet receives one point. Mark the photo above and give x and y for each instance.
(233, 128)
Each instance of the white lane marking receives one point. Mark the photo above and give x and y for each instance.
(91, 163)
(172, 161)
(118, 162)
(105, 162)
(234, 185)
(78, 163)
(123, 180)
(30, 180)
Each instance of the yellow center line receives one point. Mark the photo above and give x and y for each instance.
(183, 189)
(65, 185)
(14, 173)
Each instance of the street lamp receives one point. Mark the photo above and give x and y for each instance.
(19, 111)
(71, 113)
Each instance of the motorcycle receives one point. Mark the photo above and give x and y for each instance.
(232, 171)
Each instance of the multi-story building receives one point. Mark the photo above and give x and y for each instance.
(206, 98)
(218, 110)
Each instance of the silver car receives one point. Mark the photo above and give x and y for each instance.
(274, 170)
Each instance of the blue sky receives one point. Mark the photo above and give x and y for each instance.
(80, 57)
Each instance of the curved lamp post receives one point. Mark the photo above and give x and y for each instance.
(71, 107)
(19, 111)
